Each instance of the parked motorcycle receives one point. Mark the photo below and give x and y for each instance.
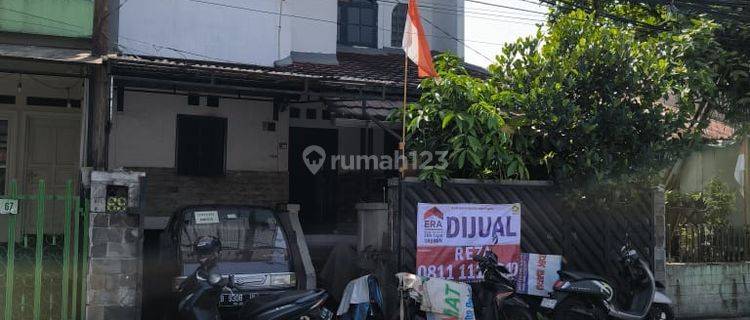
(199, 294)
(495, 296)
(585, 296)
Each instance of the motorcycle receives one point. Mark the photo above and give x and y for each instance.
(199, 294)
(580, 295)
(496, 295)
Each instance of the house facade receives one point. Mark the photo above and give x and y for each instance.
(45, 61)
(267, 80)
(214, 100)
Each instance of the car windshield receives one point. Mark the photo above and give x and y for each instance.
(252, 240)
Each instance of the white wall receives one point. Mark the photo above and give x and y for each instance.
(253, 32)
(710, 290)
(488, 28)
(310, 35)
(143, 135)
(448, 19)
(250, 32)
(720, 162)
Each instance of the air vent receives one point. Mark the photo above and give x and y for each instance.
(311, 114)
(52, 102)
(294, 112)
(212, 101)
(194, 100)
(5, 99)
(269, 126)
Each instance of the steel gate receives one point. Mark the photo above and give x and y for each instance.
(585, 227)
(43, 273)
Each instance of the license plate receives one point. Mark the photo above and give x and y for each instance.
(549, 303)
(326, 314)
(232, 299)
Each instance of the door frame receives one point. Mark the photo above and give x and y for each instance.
(12, 160)
(26, 118)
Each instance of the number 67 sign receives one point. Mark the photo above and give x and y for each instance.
(8, 206)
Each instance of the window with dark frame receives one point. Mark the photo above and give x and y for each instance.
(398, 22)
(358, 23)
(201, 145)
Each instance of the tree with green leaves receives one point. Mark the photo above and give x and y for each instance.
(586, 100)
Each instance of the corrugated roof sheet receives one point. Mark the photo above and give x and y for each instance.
(377, 67)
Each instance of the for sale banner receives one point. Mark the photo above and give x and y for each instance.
(537, 273)
(449, 235)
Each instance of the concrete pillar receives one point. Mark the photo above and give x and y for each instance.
(372, 228)
(290, 213)
(660, 235)
(115, 248)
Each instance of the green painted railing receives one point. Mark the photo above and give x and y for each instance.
(44, 273)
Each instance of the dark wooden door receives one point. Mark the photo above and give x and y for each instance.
(314, 192)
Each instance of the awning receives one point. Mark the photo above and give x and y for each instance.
(48, 54)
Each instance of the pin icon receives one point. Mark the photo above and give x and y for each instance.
(314, 157)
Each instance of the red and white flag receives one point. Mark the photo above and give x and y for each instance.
(415, 43)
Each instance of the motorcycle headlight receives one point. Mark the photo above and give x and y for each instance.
(284, 280)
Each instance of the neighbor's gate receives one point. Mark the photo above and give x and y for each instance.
(43, 273)
(585, 227)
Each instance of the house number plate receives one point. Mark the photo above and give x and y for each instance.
(8, 206)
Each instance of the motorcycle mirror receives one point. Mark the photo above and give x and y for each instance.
(502, 268)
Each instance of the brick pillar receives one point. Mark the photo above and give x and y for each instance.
(116, 242)
(660, 235)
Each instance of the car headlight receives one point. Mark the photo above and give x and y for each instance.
(284, 279)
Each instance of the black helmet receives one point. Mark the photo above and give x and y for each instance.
(207, 245)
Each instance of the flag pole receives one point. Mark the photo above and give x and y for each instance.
(402, 145)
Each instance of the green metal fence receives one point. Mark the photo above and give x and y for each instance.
(43, 273)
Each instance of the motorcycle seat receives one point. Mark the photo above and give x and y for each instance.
(263, 303)
(577, 276)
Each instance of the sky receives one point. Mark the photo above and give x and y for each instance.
(487, 27)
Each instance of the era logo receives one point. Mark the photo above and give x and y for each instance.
(433, 218)
(433, 224)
